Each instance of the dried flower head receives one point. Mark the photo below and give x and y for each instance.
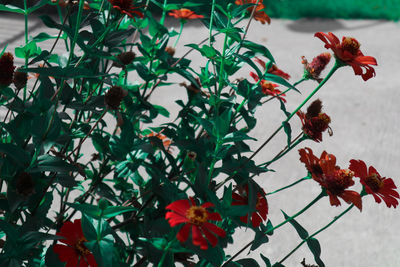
(6, 69)
(20, 79)
(314, 121)
(313, 70)
(170, 50)
(24, 184)
(125, 58)
(114, 96)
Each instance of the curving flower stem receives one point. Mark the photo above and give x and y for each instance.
(315, 200)
(288, 186)
(182, 21)
(210, 39)
(316, 233)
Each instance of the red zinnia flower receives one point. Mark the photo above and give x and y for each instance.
(331, 177)
(314, 121)
(379, 187)
(259, 14)
(260, 214)
(6, 69)
(74, 252)
(126, 7)
(348, 51)
(195, 218)
(184, 13)
(269, 88)
(273, 70)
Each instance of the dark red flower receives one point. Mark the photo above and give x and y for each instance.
(331, 177)
(74, 252)
(313, 70)
(184, 13)
(259, 13)
(6, 69)
(273, 70)
(269, 88)
(348, 51)
(261, 208)
(126, 7)
(195, 218)
(379, 187)
(314, 121)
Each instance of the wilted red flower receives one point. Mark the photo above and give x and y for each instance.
(260, 214)
(6, 69)
(348, 51)
(379, 187)
(313, 70)
(269, 88)
(126, 7)
(331, 177)
(74, 252)
(184, 13)
(273, 70)
(195, 218)
(20, 79)
(259, 14)
(314, 121)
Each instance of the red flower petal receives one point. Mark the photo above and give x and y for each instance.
(352, 197)
(210, 237)
(359, 168)
(213, 228)
(183, 234)
(198, 239)
(175, 218)
(179, 206)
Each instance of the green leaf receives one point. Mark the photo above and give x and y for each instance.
(69, 72)
(257, 48)
(315, 248)
(248, 262)
(19, 156)
(280, 80)
(11, 8)
(300, 230)
(222, 123)
(53, 164)
(88, 228)
(288, 131)
(87, 209)
(259, 239)
(237, 136)
(116, 210)
(266, 260)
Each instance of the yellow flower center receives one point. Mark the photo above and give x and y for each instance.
(197, 215)
(374, 182)
(81, 248)
(351, 45)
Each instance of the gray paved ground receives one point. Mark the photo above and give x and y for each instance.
(365, 121)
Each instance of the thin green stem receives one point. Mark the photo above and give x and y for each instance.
(315, 200)
(316, 233)
(288, 186)
(26, 39)
(180, 32)
(164, 13)
(211, 23)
